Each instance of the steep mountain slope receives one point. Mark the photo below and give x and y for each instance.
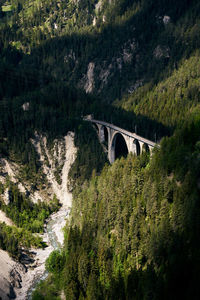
(130, 43)
(134, 227)
(134, 232)
(28, 208)
(172, 100)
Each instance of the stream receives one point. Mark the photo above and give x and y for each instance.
(55, 238)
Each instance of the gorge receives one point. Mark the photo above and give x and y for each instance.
(124, 184)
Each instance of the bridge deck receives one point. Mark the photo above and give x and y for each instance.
(130, 134)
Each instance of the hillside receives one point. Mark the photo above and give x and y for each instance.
(107, 48)
(133, 230)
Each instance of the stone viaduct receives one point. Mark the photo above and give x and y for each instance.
(114, 137)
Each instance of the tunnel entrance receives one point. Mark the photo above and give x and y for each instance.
(120, 146)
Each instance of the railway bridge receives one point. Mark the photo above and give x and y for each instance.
(119, 141)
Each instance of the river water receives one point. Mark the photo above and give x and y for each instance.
(55, 237)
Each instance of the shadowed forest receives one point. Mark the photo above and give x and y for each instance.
(134, 225)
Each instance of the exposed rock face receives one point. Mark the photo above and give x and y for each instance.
(6, 290)
(15, 279)
(104, 74)
(61, 156)
(6, 196)
(127, 56)
(99, 74)
(89, 84)
(129, 49)
(8, 168)
(94, 22)
(166, 20)
(10, 277)
(98, 5)
(54, 164)
(4, 218)
(71, 56)
(135, 86)
(26, 106)
(161, 51)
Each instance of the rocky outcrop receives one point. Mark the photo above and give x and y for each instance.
(56, 163)
(6, 290)
(89, 78)
(10, 277)
(4, 218)
(135, 86)
(166, 20)
(161, 52)
(11, 170)
(26, 106)
(15, 278)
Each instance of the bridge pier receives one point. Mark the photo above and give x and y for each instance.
(111, 146)
(141, 146)
(136, 149)
(101, 134)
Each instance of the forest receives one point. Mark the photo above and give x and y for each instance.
(133, 231)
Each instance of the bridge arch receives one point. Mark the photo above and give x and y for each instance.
(96, 127)
(136, 147)
(103, 133)
(106, 135)
(118, 146)
(120, 141)
(145, 148)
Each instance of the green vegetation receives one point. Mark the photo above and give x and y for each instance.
(58, 41)
(90, 157)
(28, 217)
(50, 288)
(7, 8)
(12, 239)
(54, 262)
(177, 96)
(135, 228)
(134, 231)
(26, 214)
